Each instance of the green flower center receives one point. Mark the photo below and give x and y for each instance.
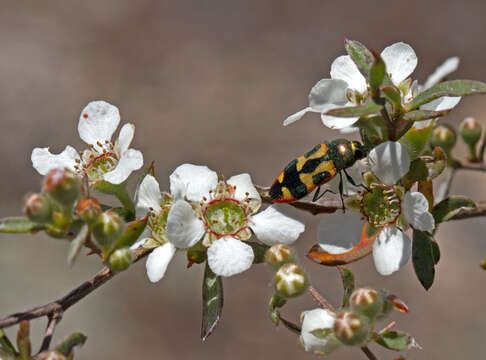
(381, 205)
(225, 217)
(100, 165)
(157, 223)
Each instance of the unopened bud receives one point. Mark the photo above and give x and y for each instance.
(317, 334)
(352, 328)
(120, 260)
(107, 228)
(62, 185)
(471, 131)
(366, 301)
(278, 255)
(88, 209)
(37, 208)
(443, 135)
(290, 281)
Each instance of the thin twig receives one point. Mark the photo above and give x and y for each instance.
(388, 327)
(320, 299)
(368, 353)
(54, 318)
(478, 167)
(64, 303)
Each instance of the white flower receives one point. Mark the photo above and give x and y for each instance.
(328, 94)
(104, 160)
(222, 213)
(321, 320)
(384, 207)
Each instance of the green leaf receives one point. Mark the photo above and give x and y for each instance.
(362, 57)
(74, 340)
(448, 88)
(276, 301)
(120, 191)
(377, 73)
(356, 111)
(419, 115)
(347, 278)
(373, 131)
(212, 294)
(6, 347)
(423, 256)
(259, 250)
(416, 140)
(77, 243)
(418, 172)
(16, 225)
(448, 208)
(131, 233)
(397, 341)
(197, 254)
(290, 325)
(322, 333)
(392, 95)
(437, 163)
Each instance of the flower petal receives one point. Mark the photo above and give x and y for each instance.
(277, 224)
(415, 208)
(130, 160)
(192, 181)
(447, 67)
(343, 68)
(184, 228)
(318, 319)
(338, 234)
(244, 186)
(158, 260)
(148, 196)
(297, 116)
(43, 161)
(389, 161)
(125, 137)
(391, 250)
(98, 121)
(400, 60)
(334, 122)
(228, 256)
(355, 172)
(328, 91)
(442, 103)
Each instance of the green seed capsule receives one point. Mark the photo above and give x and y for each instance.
(120, 260)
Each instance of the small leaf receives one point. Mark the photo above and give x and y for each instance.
(6, 346)
(419, 115)
(392, 95)
(435, 164)
(197, 254)
(322, 333)
(77, 244)
(426, 187)
(373, 131)
(377, 73)
(448, 88)
(356, 111)
(131, 233)
(276, 301)
(290, 325)
(448, 208)
(259, 251)
(15, 225)
(418, 172)
(416, 140)
(74, 340)
(423, 256)
(347, 278)
(23, 340)
(397, 341)
(212, 294)
(362, 57)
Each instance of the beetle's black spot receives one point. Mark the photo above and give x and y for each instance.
(275, 191)
(310, 165)
(320, 177)
(299, 191)
(313, 151)
(291, 166)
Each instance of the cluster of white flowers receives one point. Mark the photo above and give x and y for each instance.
(348, 87)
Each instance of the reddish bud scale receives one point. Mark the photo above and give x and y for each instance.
(63, 186)
(88, 209)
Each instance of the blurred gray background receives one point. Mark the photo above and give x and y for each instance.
(209, 82)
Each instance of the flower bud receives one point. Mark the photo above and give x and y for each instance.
(352, 329)
(107, 228)
(88, 209)
(120, 260)
(317, 335)
(37, 208)
(290, 281)
(63, 186)
(444, 136)
(367, 302)
(278, 255)
(471, 131)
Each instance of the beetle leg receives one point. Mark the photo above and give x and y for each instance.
(341, 191)
(350, 179)
(317, 196)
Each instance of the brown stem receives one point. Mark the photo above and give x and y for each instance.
(64, 303)
(54, 318)
(368, 353)
(320, 299)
